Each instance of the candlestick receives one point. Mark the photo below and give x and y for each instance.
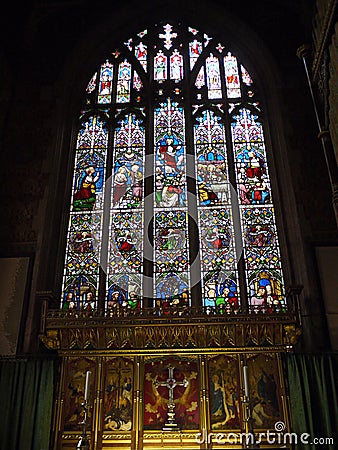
(246, 381)
(87, 385)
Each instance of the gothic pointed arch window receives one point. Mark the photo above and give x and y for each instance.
(172, 206)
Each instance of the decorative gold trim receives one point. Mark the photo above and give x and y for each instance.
(166, 336)
(291, 334)
(51, 339)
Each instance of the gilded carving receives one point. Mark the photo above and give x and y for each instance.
(291, 334)
(51, 339)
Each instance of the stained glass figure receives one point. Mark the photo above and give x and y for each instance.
(128, 164)
(212, 178)
(176, 66)
(261, 246)
(123, 82)
(160, 66)
(170, 180)
(195, 49)
(141, 55)
(231, 76)
(213, 77)
(106, 83)
(172, 291)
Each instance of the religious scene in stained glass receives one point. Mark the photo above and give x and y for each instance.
(85, 222)
(126, 223)
(170, 178)
(221, 86)
(217, 244)
(262, 257)
(170, 224)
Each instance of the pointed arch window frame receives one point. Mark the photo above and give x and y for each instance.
(178, 90)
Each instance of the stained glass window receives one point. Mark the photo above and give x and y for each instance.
(175, 161)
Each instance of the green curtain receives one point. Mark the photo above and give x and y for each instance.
(26, 401)
(313, 388)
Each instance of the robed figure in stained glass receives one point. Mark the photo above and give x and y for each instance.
(84, 194)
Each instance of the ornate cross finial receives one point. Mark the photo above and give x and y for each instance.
(167, 36)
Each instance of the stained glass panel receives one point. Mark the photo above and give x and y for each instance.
(231, 76)
(245, 76)
(106, 83)
(137, 83)
(160, 66)
(261, 248)
(126, 225)
(80, 282)
(171, 222)
(141, 55)
(200, 81)
(92, 84)
(213, 77)
(217, 243)
(195, 49)
(123, 82)
(176, 66)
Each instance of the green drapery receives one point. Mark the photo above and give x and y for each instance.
(26, 401)
(313, 389)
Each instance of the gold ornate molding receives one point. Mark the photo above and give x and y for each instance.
(291, 334)
(51, 339)
(187, 336)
